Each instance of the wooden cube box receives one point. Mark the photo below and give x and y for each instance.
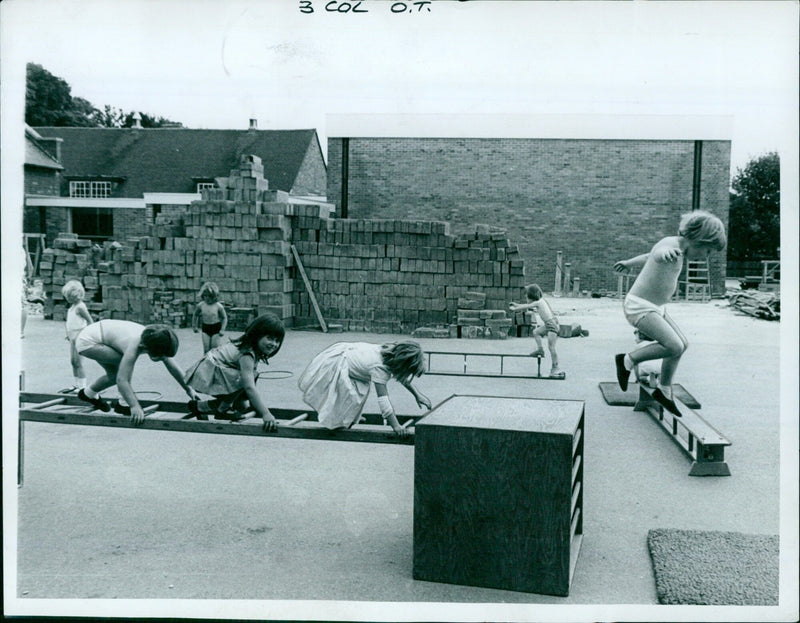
(498, 493)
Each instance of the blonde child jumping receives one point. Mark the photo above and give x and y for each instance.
(227, 372)
(78, 317)
(116, 345)
(337, 381)
(699, 233)
(549, 327)
(209, 315)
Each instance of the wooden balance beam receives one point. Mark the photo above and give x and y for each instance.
(501, 370)
(704, 444)
(175, 416)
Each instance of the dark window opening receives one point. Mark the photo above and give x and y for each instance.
(97, 224)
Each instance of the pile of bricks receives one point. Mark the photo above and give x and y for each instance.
(475, 321)
(376, 275)
(395, 276)
(69, 258)
(168, 309)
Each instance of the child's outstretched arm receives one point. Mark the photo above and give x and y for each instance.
(177, 373)
(634, 262)
(422, 399)
(522, 306)
(124, 375)
(223, 318)
(387, 411)
(247, 371)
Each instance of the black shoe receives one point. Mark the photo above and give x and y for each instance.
(97, 403)
(665, 402)
(622, 372)
(194, 409)
(122, 409)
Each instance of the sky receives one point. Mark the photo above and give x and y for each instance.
(290, 64)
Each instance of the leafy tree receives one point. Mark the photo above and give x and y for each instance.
(755, 210)
(49, 102)
(47, 98)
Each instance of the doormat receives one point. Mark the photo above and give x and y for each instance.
(714, 568)
(617, 398)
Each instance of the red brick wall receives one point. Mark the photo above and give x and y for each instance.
(597, 201)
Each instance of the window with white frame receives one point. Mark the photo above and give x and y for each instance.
(92, 190)
(203, 185)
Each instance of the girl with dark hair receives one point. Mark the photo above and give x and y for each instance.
(227, 372)
(336, 383)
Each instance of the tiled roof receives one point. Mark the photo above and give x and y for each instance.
(36, 156)
(174, 159)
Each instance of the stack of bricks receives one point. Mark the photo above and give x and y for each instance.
(69, 258)
(395, 276)
(475, 321)
(238, 236)
(168, 309)
(376, 275)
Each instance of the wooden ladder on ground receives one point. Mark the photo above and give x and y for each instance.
(697, 282)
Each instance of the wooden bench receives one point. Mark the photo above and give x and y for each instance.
(175, 416)
(704, 444)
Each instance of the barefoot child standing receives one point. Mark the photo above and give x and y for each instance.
(78, 317)
(699, 233)
(116, 345)
(549, 327)
(210, 315)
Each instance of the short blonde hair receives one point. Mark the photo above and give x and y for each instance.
(211, 290)
(73, 289)
(703, 227)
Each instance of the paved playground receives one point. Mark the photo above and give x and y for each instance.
(120, 513)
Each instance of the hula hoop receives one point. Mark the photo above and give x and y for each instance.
(156, 395)
(275, 375)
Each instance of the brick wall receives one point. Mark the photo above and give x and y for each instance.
(129, 222)
(597, 201)
(41, 181)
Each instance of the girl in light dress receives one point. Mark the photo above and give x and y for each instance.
(228, 372)
(337, 381)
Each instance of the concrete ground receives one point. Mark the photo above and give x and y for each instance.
(120, 513)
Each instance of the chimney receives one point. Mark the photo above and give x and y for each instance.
(253, 124)
(137, 120)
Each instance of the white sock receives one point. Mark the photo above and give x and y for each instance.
(666, 390)
(90, 393)
(123, 402)
(80, 382)
(628, 362)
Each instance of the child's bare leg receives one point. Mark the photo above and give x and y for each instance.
(538, 332)
(77, 366)
(109, 359)
(669, 340)
(670, 345)
(215, 340)
(206, 343)
(670, 364)
(551, 346)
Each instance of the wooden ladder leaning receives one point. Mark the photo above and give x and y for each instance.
(697, 281)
